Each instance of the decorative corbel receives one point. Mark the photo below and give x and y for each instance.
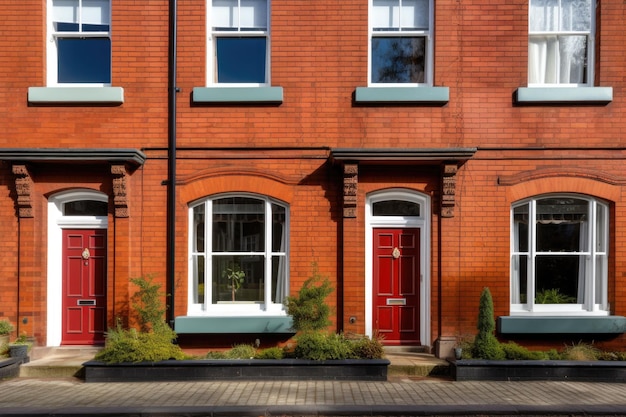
(350, 183)
(448, 189)
(23, 189)
(120, 197)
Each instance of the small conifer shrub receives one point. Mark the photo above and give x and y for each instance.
(486, 345)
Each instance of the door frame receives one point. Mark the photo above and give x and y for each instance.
(56, 223)
(422, 222)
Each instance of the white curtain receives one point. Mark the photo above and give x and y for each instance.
(557, 59)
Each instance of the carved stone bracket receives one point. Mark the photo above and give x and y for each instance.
(120, 196)
(350, 183)
(448, 189)
(23, 189)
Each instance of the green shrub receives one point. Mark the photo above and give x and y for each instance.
(580, 352)
(129, 345)
(147, 301)
(270, 353)
(513, 351)
(322, 346)
(241, 352)
(553, 296)
(5, 327)
(486, 346)
(366, 348)
(215, 355)
(308, 308)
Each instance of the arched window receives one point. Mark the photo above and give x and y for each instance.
(559, 251)
(238, 250)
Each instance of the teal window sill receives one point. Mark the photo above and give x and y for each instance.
(106, 95)
(243, 324)
(564, 95)
(561, 325)
(266, 95)
(409, 95)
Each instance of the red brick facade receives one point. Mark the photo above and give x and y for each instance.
(319, 55)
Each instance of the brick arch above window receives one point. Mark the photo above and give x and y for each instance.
(563, 184)
(230, 182)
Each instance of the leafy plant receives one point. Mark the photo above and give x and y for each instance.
(5, 327)
(580, 352)
(270, 353)
(553, 296)
(308, 308)
(154, 341)
(513, 351)
(322, 346)
(241, 352)
(147, 301)
(366, 348)
(236, 276)
(486, 346)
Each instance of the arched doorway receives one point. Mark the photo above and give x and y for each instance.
(77, 259)
(397, 286)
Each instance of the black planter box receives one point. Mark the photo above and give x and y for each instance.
(533, 370)
(239, 369)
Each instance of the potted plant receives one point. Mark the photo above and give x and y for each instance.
(235, 276)
(19, 348)
(5, 329)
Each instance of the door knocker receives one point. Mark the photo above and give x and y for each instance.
(395, 253)
(86, 255)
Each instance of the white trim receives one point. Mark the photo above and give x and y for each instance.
(56, 223)
(423, 223)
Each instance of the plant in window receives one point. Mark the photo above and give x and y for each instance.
(553, 296)
(235, 277)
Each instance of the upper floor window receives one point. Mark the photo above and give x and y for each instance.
(80, 47)
(561, 42)
(401, 42)
(238, 253)
(559, 251)
(239, 42)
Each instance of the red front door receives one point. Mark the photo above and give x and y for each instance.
(84, 286)
(396, 285)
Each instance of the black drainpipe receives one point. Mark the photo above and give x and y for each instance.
(171, 165)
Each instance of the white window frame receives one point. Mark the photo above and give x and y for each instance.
(52, 58)
(592, 282)
(590, 47)
(426, 34)
(236, 308)
(211, 70)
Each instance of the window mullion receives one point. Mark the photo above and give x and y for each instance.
(268, 254)
(208, 250)
(590, 283)
(530, 275)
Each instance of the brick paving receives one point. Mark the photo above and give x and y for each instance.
(398, 396)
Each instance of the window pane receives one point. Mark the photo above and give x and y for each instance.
(278, 228)
(544, 15)
(95, 12)
(520, 279)
(86, 208)
(398, 59)
(238, 225)
(279, 279)
(198, 279)
(253, 14)
(238, 278)
(386, 14)
(84, 60)
(601, 225)
(65, 11)
(573, 54)
(241, 60)
(575, 15)
(414, 14)
(557, 279)
(224, 14)
(198, 229)
(562, 237)
(395, 208)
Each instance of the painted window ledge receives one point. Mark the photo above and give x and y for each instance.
(108, 95)
(266, 95)
(408, 95)
(561, 325)
(564, 95)
(243, 324)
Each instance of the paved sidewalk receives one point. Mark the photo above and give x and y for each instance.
(398, 396)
